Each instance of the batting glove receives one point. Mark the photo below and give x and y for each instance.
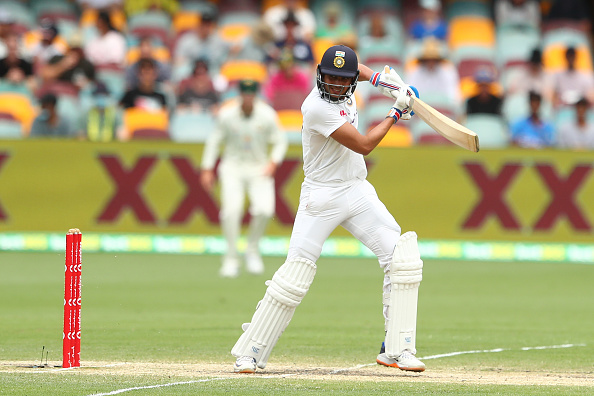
(404, 101)
(387, 81)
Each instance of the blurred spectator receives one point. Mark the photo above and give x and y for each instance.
(275, 16)
(48, 46)
(49, 123)
(518, 13)
(532, 78)
(103, 120)
(578, 134)
(109, 48)
(137, 6)
(6, 27)
(434, 75)
(377, 28)
(571, 84)
(485, 101)
(13, 68)
(288, 86)
(145, 95)
(533, 131)
(203, 43)
(301, 49)
(334, 27)
(197, 93)
(146, 51)
(259, 45)
(571, 11)
(72, 67)
(431, 24)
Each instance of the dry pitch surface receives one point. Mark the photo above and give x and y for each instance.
(363, 373)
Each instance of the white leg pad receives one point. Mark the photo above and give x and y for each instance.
(405, 275)
(285, 292)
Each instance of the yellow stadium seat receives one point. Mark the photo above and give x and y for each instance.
(234, 32)
(235, 70)
(398, 136)
(319, 46)
(553, 58)
(266, 4)
(159, 53)
(468, 87)
(32, 37)
(290, 120)
(471, 30)
(19, 107)
(140, 123)
(185, 20)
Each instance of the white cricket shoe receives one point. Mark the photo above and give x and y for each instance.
(245, 364)
(254, 263)
(405, 361)
(230, 268)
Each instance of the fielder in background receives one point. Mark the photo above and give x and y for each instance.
(335, 193)
(254, 147)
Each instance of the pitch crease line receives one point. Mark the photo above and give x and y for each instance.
(115, 392)
(495, 350)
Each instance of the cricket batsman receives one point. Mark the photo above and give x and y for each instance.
(335, 193)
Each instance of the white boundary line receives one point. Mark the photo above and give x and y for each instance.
(430, 357)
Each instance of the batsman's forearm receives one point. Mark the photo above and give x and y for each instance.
(365, 72)
(375, 135)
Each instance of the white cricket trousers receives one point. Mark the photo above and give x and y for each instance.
(237, 179)
(357, 208)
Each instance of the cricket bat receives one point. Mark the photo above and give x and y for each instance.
(445, 126)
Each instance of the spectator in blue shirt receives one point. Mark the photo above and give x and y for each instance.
(431, 24)
(533, 131)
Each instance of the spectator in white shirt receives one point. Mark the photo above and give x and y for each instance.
(571, 84)
(578, 134)
(434, 75)
(109, 48)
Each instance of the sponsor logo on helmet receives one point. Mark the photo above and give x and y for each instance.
(339, 61)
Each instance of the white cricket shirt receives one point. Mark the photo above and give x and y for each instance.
(324, 159)
(246, 139)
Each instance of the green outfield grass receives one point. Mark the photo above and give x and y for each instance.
(175, 309)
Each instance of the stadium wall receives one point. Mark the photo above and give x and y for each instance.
(152, 188)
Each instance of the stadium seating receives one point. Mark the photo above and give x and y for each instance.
(234, 70)
(472, 30)
(473, 41)
(144, 124)
(514, 46)
(491, 129)
(553, 58)
(189, 127)
(458, 8)
(10, 129)
(17, 107)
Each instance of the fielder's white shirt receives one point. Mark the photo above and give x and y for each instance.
(324, 159)
(247, 140)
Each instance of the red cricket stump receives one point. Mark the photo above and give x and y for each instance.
(72, 289)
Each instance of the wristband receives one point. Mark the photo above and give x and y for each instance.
(395, 114)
